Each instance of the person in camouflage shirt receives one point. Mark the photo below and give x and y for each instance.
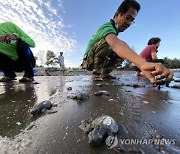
(105, 51)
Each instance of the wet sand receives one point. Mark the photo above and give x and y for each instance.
(144, 112)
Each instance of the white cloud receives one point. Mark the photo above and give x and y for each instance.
(42, 21)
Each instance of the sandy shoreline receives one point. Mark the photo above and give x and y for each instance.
(144, 111)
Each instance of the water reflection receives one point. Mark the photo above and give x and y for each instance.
(47, 87)
(15, 103)
(161, 114)
(16, 99)
(62, 83)
(110, 105)
(155, 99)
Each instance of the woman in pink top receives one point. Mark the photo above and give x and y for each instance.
(149, 53)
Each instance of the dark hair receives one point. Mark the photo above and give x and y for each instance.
(154, 40)
(126, 4)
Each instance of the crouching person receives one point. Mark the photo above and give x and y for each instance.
(149, 53)
(15, 53)
(106, 51)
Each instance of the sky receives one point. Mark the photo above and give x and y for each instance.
(67, 25)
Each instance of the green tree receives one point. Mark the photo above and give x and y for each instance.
(51, 58)
(172, 63)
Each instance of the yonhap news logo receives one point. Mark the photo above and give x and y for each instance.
(113, 141)
(147, 141)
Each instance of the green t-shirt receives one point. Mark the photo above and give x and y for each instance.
(10, 49)
(104, 30)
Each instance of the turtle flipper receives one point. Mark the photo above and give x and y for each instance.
(85, 125)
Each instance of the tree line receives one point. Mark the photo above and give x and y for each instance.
(172, 63)
(52, 60)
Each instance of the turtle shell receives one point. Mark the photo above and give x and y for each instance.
(102, 127)
(107, 122)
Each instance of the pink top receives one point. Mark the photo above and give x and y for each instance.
(146, 53)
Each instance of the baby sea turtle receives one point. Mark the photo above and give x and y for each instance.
(102, 93)
(41, 107)
(176, 80)
(80, 96)
(100, 129)
(176, 86)
(69, 88)
(162, 82)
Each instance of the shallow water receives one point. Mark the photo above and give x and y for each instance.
(145, 112)
(17, 99)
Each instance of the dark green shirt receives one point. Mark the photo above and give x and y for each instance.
(104, 30)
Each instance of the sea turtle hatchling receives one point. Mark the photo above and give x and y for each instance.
(100, 129)
(42, 107)
(80, 96)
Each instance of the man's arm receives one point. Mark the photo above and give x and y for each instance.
(154, 55)
(123, 50)
(150, 70)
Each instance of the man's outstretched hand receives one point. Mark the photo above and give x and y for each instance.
(151, 70)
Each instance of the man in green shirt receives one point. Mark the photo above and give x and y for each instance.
(106, 51)
(15, 53)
